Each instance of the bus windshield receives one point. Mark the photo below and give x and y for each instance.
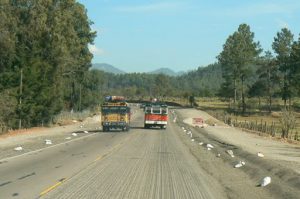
(115, 109)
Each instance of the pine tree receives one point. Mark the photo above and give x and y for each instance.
(239, 53)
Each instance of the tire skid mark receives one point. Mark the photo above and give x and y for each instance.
(26, 176)
(5, 183)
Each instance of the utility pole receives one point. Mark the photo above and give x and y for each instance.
(20, 99)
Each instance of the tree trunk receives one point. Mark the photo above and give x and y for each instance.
(285, 91)
(80, 87)
(285, 104)
(243, 97)
(20, 99)
(270, 103)
(235, 93)
(269, 91)
(259, 103)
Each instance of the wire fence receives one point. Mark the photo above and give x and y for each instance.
(273, 128)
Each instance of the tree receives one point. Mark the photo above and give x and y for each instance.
(192, 100)
(162, 85)
(288, 122)
(282, 45)
(7, 36)
(269, 76)
(295, 65)
(43, 50)
(239, 53)
(258, 90)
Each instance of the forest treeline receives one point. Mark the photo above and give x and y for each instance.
(44, 55)
(205, 81)
(274, 73)
(45, 66)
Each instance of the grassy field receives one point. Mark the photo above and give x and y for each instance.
(256, 115)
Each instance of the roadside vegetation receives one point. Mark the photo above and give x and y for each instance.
(43, 58)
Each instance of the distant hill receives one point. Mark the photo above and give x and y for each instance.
(107, 68)
(166, 71)
(112, 69)
(205, 81)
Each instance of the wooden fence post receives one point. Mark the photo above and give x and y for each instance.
(256, 127)
(265, 127)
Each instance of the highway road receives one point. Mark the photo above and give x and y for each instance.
(142, 163)
(147, 163)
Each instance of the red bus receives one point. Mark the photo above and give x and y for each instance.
(156, 115)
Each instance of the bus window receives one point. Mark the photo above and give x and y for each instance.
(147, 110)
(156, 110)
(164, 111)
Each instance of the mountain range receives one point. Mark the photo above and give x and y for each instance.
(166, 71)
(112, 69)
(107, 68)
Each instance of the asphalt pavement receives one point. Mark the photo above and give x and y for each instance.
(141, 163)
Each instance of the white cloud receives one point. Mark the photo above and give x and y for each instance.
(95, 50)
(154, 7)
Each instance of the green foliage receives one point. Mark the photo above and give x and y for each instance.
(295, 66)
(8, 103)
(45, 42)
(204, 81)
(282, 46)
(239, 53)
(268, 79)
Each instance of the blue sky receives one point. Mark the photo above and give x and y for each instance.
(141, 35)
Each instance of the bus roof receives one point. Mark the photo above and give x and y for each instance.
(156, 104)
(114, 104)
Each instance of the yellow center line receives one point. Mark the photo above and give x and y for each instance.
(98, 158)
(113, 149)
(116, 147)
(52, 187)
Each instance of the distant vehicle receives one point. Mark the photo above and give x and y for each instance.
(156, 114)
(142, 106)
(115, 114)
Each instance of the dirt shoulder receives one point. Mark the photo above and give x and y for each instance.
(281, 160)
(252, 143)
(34, 138)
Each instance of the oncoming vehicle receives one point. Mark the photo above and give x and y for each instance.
(156, 115)
(115, 114)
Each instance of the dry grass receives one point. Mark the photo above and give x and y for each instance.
(13, 133)
(218, 108)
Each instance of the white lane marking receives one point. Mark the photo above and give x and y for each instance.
(30, 152)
